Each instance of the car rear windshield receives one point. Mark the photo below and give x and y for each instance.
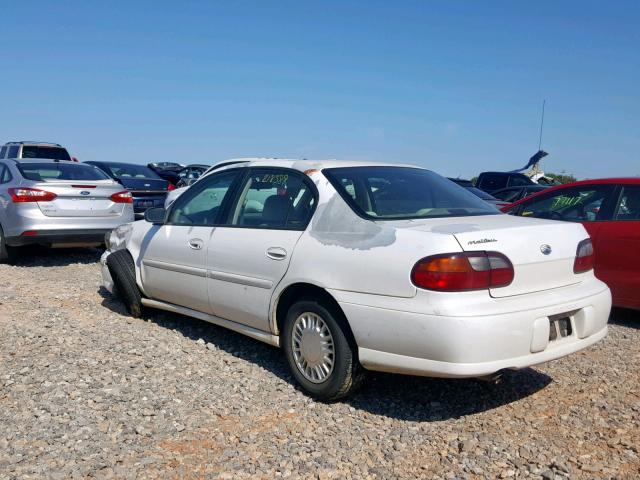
(130, 170)
(44, 172)
(392, 193)
(39, 151)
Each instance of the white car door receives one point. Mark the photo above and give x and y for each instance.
(174, 260)
(248, 256)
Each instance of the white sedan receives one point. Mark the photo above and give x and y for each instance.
(352, 265)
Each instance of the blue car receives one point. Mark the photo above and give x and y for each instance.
(146, 186)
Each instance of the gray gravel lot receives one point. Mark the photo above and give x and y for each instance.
(86, 391)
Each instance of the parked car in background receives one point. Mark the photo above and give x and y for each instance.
(191, 173)
(487, 197)
(173, 166)
(468, 185)
(24, 149)
(169, 175)
(461, 181)
(167, 170)
(353, 264)
(57, 202)
(610, 211)
(171, 196)
(146, 187)
(513, 194)
(493, 181)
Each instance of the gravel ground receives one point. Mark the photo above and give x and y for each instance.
(86, 391)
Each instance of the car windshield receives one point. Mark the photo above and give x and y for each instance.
(388, 193)
(130, 170)
(44, 172)
(38, 151)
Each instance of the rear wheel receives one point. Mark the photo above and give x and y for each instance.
(123, 273)
(316, 343)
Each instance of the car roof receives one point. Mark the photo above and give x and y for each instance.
(40, 160)
(305, 165)
(29, 142)
(597, 181)
(502, 173)
(116, 163)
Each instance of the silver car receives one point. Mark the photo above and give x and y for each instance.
(57, 202)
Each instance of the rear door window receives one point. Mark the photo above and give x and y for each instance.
(628, 208)
(274, 198)
(576, 204)
(3, 151)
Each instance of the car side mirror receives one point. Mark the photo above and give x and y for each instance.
(155, 215)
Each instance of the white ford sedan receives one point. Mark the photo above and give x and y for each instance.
(348, 265)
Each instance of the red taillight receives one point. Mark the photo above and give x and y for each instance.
(454, 272)
(122, 197)
(170, 187)
(23, 195)
(584, 257)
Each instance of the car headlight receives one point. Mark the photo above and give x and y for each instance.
(117, 238)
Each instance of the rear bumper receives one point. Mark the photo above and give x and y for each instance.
(391, 362)
(53, 237)
(28, 217)
(473, 342)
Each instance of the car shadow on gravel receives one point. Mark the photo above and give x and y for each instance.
(401, 397)
(421, 399)
(36, 256)
(625, 318)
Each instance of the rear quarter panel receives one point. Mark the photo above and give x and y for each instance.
(342, 251)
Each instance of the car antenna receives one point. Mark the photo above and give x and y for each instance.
(541, 124)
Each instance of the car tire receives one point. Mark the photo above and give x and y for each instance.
(326, 334)
(123, 273)
(6, 252)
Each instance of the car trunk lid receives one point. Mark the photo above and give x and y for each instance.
(80, 198)
(542, 251)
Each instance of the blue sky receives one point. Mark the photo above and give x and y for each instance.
(454, 86)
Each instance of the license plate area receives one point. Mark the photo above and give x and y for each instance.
(144, 203)
(560, 326)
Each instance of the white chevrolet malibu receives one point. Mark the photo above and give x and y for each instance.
(354, 265)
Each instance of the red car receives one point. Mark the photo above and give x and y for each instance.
(610, 211)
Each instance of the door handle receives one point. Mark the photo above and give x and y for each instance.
(276, 253)
(195, 244)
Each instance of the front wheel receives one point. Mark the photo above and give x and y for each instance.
(317, 348)
(123, 272)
